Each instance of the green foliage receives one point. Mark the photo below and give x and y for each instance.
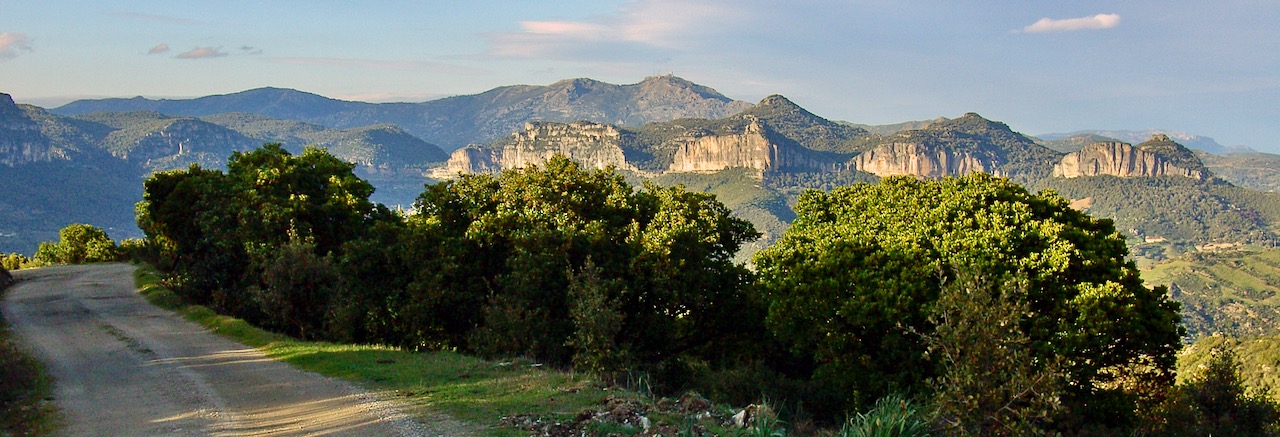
(14, 261)
(597, 320)
(78, 244)
(1175, 208)
(1215, 401)
(1255, 171)
(892, 416)
(1258, 357)
(516, 242)
(990, 382)
(1234, 292)
(218, 233)
(851, 282)
(297, 286)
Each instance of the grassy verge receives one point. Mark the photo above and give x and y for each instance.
(479, 392)
(25, 390)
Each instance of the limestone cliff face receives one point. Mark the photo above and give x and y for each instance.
(914, 159)
(20, 139)
(752, 148)
(591, 144)
(1119, 159)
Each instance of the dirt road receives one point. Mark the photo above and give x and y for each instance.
(124, 367)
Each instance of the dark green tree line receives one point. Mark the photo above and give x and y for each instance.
(851, 285)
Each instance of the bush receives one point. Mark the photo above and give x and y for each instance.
(892, 416)
(597, 319)
(14, 261)
(78, 244)
(297, 286)
(990, 382)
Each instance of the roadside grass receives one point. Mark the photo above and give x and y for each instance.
(25, 390)
(469, 389)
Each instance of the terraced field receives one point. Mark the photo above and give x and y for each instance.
(1235, 292)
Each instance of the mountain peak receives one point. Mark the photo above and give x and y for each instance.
(778, 101)
(9, 109)
(969, 122)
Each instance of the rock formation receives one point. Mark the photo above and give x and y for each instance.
(1120, 159)
(20, 139)
(752, 148)
(591, 144)
(915, 159)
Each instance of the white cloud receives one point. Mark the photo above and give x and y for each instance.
(639, 24)
(202, 52)
(11, 43)
(159, 48)
(1100, 21)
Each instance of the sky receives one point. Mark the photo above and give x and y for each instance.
(1207, 68)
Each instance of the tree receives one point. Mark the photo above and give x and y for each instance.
(989, 381)
(221, 232)
(1214, 401)
(297, 286)
(515, 250)
(852, 281)
(78, 244)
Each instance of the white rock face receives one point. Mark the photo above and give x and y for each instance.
(1118, 159)
(749, 149)
(591, 144)
(897, 159)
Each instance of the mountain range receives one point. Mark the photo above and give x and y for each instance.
(85, 161)
(454, 122)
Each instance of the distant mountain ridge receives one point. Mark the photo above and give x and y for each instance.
(1189, 140)
(454, 122)
(663, 128)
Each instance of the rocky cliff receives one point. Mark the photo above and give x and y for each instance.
(29, 134)
(1114, 158)
(591, 144)
(755, 147)
(20, 139)
(916, 159)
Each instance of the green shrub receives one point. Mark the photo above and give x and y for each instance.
(78, 244)
(297, 286)
(597, 319)
(892, 416)
(14, 261)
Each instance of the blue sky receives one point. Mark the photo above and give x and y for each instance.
(1210, 68)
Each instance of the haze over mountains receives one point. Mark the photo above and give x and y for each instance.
(457, 121)
(756, 157)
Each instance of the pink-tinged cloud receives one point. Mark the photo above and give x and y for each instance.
(202, 53)
(1100, 21)
(11, 43)
(158, 49)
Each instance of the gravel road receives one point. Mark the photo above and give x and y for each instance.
(125, 367)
